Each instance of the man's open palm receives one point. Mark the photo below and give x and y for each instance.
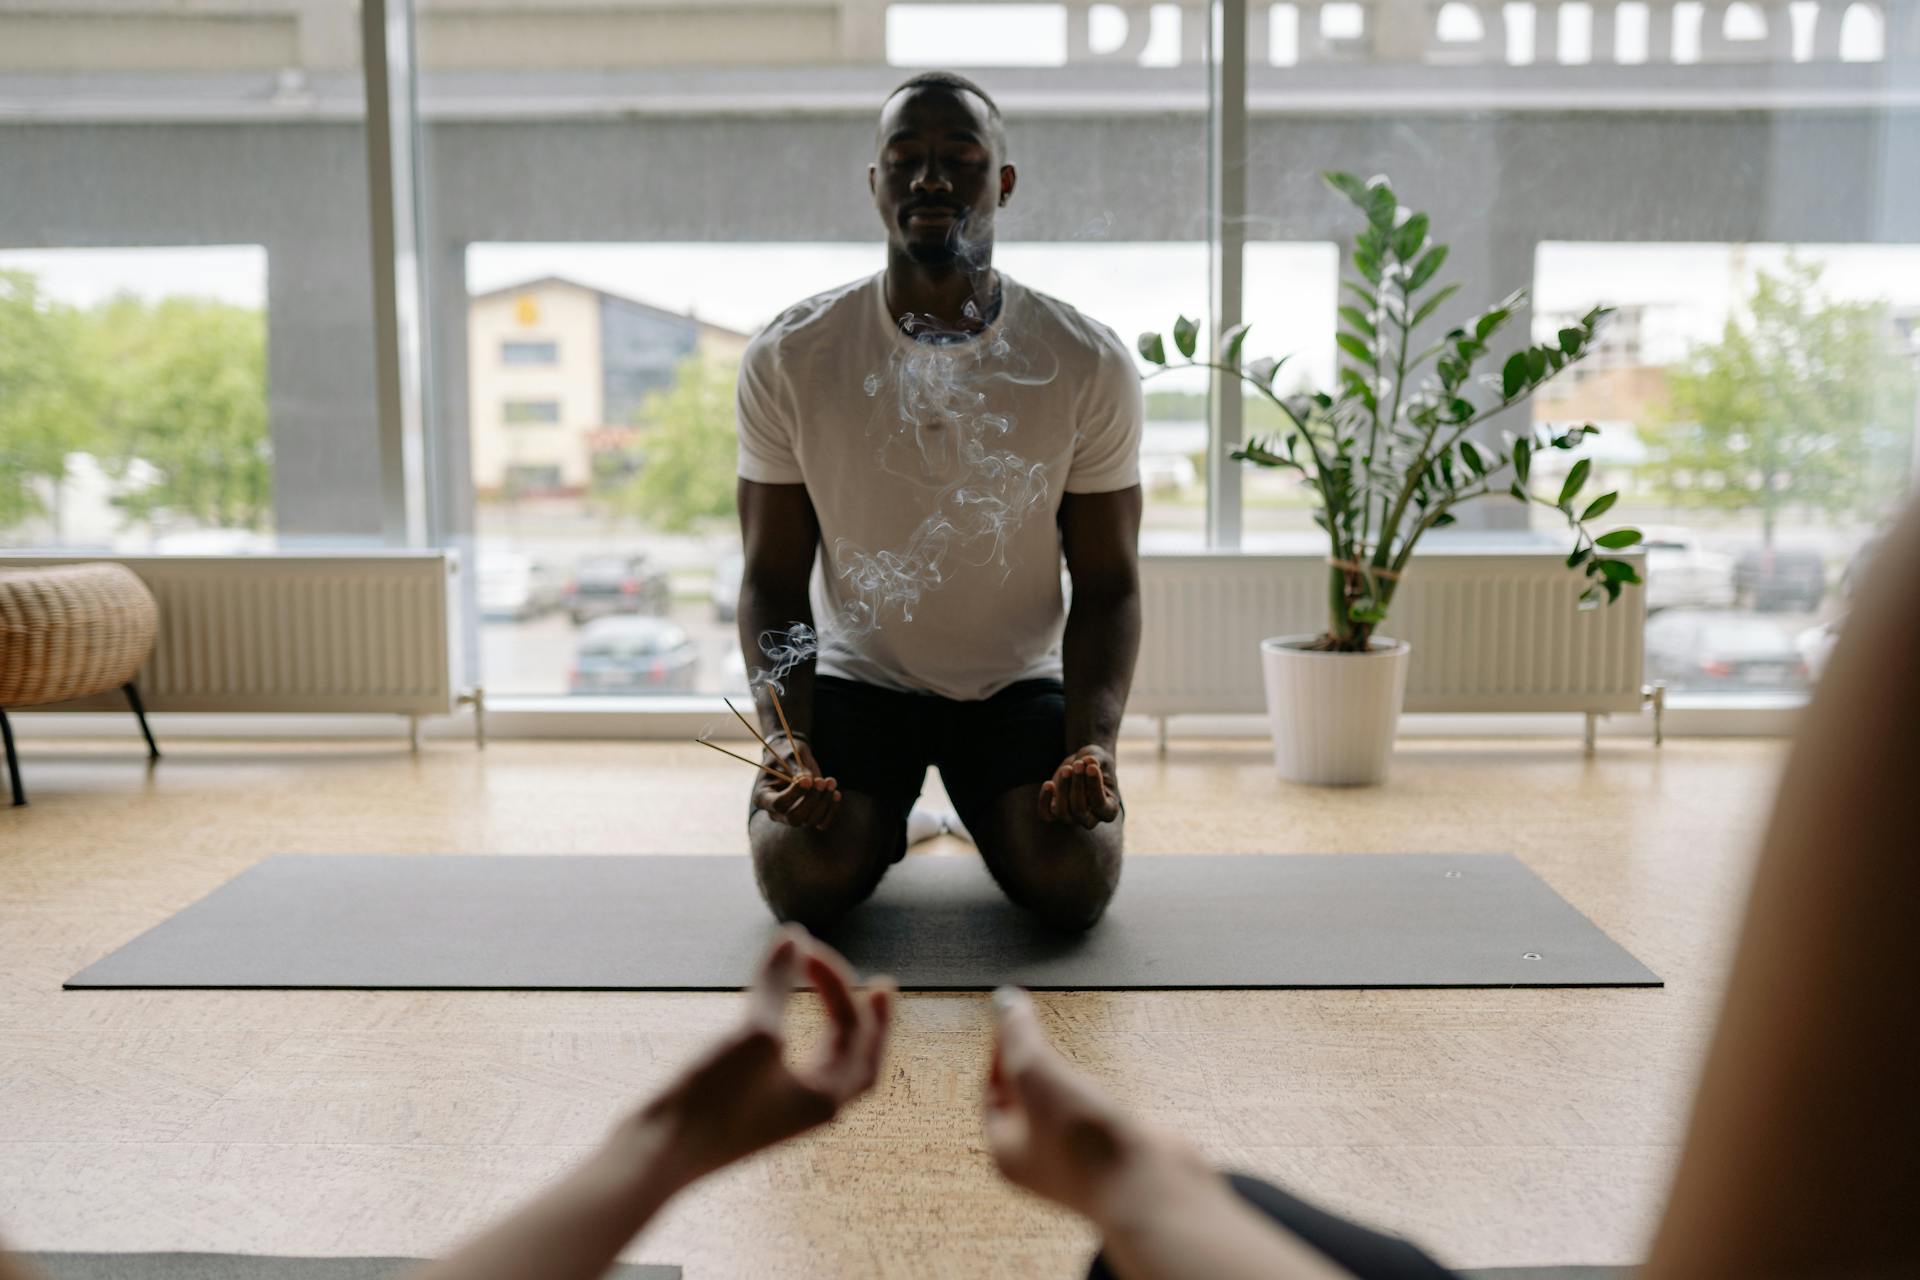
(1083, 790)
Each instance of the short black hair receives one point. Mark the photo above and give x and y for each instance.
(954, 82)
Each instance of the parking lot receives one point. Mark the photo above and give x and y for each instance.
(1705, 634)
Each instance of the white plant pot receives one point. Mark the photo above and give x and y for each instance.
(1334, 714)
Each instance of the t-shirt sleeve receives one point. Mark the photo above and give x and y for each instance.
(764, 418)
(1106, 454)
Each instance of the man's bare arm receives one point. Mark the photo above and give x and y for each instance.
(780, 536)
(1100, 533)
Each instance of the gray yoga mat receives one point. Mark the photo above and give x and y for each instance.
(447, 922)
(233, 1266)
(241, 1266)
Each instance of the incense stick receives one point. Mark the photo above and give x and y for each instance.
(750, 725)
(784, 777)
(782, 713)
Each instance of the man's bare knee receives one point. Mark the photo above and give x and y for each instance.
(815, 877)
(1072, 900)
(1064, 875)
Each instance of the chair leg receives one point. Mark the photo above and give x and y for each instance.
(13, 761)
(133, 698)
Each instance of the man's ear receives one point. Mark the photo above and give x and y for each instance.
(873, 179)
(1007, 179)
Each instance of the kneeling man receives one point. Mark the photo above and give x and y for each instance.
(918, 451)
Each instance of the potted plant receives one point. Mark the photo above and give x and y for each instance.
(1388, 455)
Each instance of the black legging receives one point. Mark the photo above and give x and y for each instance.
(1366, 1253)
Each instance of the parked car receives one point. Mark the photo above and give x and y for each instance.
(726, 586)
(1780, 579)
(1681, 574)
(634, 655)
(1702, 650)
(515, 587)
(603, 585)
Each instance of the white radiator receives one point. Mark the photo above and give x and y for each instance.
(293, 633)
(1490, 632)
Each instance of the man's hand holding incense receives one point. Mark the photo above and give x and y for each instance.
(810, 800)
(1083, 790)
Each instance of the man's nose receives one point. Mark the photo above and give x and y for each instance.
(932, 178)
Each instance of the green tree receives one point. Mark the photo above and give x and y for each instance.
(46, 396)
(1803, 402)
(186, 393)
(687, 468)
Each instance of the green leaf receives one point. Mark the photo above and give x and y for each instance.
(1260, 455)
(1519, 494)
(1571, 339)
(1409, 236)
(1356, 348)
(1231, 341)
(1472, 457)
(1186, 336)
(1382, 204)
(1578, 557)
(1347, 185)
(1618, 571)
(1575, 478)
(1513, 375)
(1263, 369)
(1618, 538)
(1488, 323)
(1368, 264)
(1428, 307)
(1358, 319)
(1153, 349)
(1362, 292)
(1442, 520)
(1590, 598)
(1599, 506)
(1522, 458)
(1536, 364)
(1429, 263)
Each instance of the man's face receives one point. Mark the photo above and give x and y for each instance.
(938, 181)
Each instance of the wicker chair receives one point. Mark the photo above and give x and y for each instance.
(70, 632)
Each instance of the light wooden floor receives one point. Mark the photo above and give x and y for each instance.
(1497, 1127)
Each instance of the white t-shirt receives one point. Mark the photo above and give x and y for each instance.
(936, 471)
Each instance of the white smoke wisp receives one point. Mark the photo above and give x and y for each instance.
(944, 438)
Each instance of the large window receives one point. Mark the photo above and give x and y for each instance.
(133, 399)
(1724, 178)
(615, 196)
(1757, 414)
(186, 361)
(710, 173)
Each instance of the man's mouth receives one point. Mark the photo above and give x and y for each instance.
(932, 213)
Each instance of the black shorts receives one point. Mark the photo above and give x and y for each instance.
(879, 742)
